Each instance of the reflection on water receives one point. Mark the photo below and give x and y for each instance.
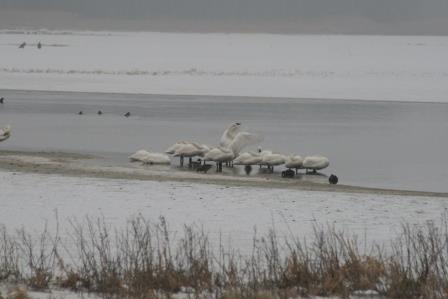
(377, 144)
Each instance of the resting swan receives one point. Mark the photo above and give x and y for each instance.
(294, 161)
(272, 159)
(315, 163)
(190, 150)
(5, 133)
(149, 158)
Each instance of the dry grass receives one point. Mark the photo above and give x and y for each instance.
(142, 261)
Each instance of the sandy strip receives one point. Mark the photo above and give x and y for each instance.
(71, 164)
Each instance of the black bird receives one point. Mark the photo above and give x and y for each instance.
(204, 168)
(100, 112)
(2, 100)
(127, 114)
(248, 169)
(80, 113)
(333, 179)
(22, 45)
(39, 45)
(288, 173)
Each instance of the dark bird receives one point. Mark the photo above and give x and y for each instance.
(333, 179)
(2, 100)
(39, 45)
(22, 45)
(80, 113)
(204, 168)
(288, 173)
(248, 169)
(100, 112)
(127, 114)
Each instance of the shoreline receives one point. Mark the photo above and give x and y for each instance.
(75, 165)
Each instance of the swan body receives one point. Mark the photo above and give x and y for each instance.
(139, 156)
(191, 150)
(315, 163)
(248, 158)
(272, 159)
(150, 158)
(172, 149)
(219, 154)
(229, 134)
(5, 133)
(294, 162)
(156, 158)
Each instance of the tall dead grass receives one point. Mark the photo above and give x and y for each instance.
(142, 260)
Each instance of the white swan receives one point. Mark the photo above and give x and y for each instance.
(172, 149)
(248, 158)
(157, 158)
(190, 150)
(5, 133)
(315, 163)
(229, 134)
(150, 158)
(138, 156)
(272, 159)
(222, 154)
(294, 161)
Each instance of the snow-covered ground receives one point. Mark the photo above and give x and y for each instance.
(408, 68)
(29, 200)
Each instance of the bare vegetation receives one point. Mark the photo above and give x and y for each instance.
(144, 260)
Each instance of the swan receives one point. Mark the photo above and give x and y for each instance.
(248, 158)
(190, 150)
(222, 154)
(5, 133)
(315, 163)
(139, 156)
(294, 161)
(229, 134)
(156, 158)
(149, 157)
(172, 149)
(272, 159)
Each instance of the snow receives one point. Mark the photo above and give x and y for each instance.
(405, 68)
(31, 200)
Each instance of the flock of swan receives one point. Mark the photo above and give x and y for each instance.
(229, 152)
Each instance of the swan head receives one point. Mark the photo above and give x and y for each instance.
(234, 128)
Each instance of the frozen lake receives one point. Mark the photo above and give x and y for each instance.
(377, 144)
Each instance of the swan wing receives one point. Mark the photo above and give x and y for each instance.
(244, 139)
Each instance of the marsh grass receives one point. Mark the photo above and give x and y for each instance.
(144, 260)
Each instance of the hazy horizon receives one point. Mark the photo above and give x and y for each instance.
(288, 16)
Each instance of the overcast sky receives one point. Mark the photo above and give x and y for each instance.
(389, 11)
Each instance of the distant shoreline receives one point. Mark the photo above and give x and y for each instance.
(72, 164)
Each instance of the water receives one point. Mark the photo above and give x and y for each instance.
(374, 144)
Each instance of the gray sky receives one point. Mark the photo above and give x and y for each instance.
(341, 16)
